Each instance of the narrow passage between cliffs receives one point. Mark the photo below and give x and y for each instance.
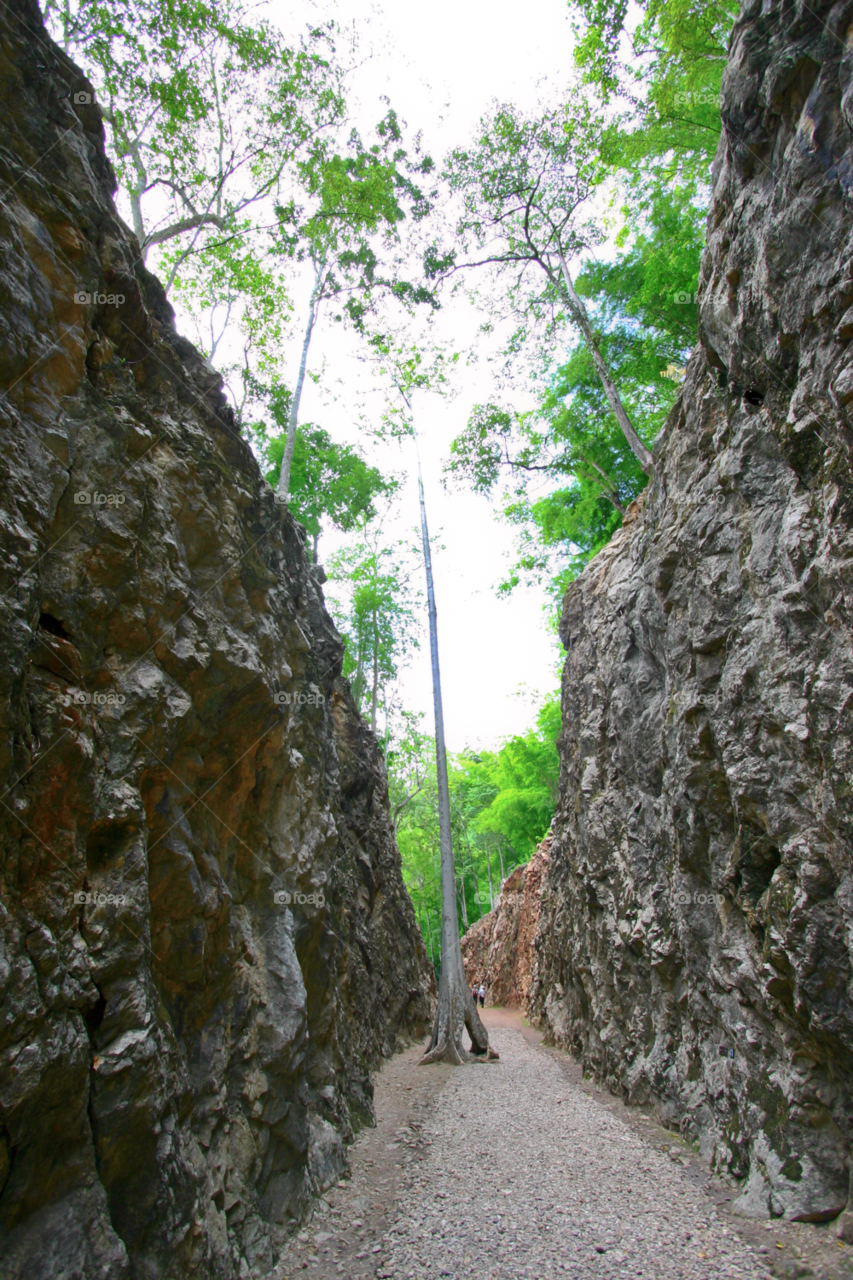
(521, 1169)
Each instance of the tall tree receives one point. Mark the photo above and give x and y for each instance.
(562, 468)
(455, 1009)
(373, 603)
(524, 186)
(409, 370)
(239, 166)
(358, 198)
(501, 805)
(207, 109)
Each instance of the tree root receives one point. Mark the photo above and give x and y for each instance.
(444, 1047)
(455, 1055)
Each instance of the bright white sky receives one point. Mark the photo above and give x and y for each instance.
(442, 64)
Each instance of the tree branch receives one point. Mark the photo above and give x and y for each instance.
(185, 224)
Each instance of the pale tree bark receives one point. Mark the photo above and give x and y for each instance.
(283, 489)
(489, 870)
(578, 310)
(462, 903)
(178, 228)
(477, 897)
(429, 936)
(375, 693)
(456, 1009)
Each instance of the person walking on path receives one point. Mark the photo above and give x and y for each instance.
(482, 996)
(474, 992)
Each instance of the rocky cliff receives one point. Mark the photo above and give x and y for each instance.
(205, 943)
(697, 921)
(498, 949)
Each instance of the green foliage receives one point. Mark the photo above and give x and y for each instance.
(327, 480)
(233, 149)
(354, 200)
(373, 604)
(563, 469)
(522, 188)
(206, 106)
(501, 804)
(669, 65)
(566, 470)
(524, 772)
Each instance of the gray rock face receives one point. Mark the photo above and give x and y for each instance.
(697, 925)
(205, 942)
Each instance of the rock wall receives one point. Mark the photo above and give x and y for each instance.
(697, 920)
(498, 949)
(205, 943)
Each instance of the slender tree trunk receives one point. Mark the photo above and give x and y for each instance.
(138, 223)
(477, 897)
(429, 936)
(456, 1008)
(375, 692)
(489, 872)
(501, 861)
(314, 551)
(283, 489)
(358, 683)
(463, 904)
(578, 309)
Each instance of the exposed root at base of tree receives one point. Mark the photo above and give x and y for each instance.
(453, 1053)
(456, 1010)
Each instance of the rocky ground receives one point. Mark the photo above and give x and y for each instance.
(522, 1168)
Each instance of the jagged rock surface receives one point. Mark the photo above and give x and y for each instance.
(697, 920)
(498, 949)
(205, 942)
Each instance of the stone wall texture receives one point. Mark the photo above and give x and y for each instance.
(205, 942)
(498, 949)
(696, 933)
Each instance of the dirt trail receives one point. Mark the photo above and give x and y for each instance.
(522, 1168)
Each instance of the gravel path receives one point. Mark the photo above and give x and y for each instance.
(525, 1175)
(521, 1168)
